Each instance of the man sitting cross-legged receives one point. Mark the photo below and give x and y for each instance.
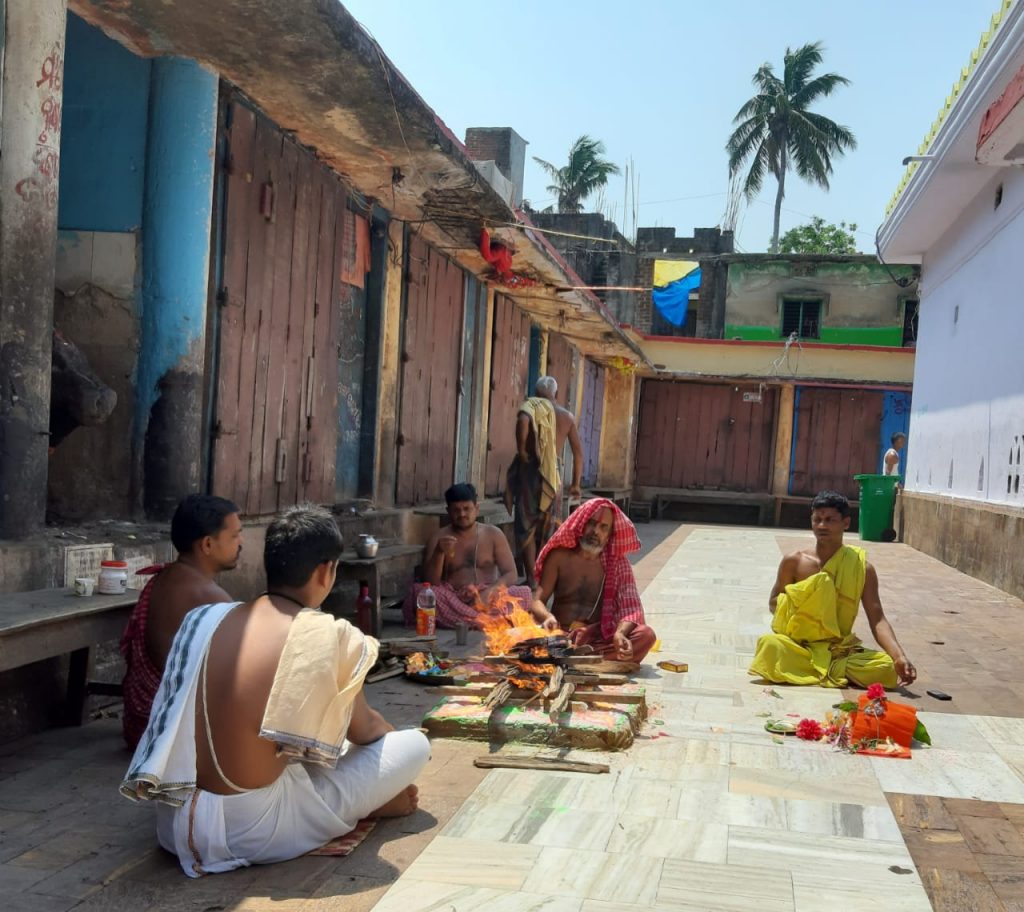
(585, 568)
(814, 604)
(206, 531)
(468, 565)
(261, 745)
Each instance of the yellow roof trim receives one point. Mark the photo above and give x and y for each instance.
(958, 86)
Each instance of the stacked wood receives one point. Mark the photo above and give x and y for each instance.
(554, 683)
(498, 694)
(559, 704)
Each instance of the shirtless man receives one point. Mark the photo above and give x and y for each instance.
(535, 480)
(468, 563)
(584, 569)
(206, 531)
(266, 747)
(814, 604)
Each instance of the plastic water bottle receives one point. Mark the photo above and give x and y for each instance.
(426, 611)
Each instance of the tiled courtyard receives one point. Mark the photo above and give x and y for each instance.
(706, 811)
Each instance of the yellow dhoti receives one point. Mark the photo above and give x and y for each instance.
(812, 640)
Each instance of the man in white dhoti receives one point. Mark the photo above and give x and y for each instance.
(261, 745)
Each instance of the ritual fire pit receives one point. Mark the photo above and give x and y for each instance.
(539, 688)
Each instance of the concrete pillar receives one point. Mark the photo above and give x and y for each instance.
(176, 218)
(31, 96)
(390, 367)
(618, 427)
(479, 447)
(783, 440)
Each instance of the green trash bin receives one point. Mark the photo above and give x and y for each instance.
(877, 500)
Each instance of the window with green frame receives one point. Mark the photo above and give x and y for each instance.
(801, 316)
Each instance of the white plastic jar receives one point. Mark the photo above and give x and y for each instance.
(113, 577)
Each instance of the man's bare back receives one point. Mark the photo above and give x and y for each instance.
(177, 590)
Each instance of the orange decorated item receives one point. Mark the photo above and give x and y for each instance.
(877, 720)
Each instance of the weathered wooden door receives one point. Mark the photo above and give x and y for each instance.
(275, 411)
(561, 366)
(590, 419)
(510, 365)
(835, 437)
(471, 375)
(431, 358)
(705, 435)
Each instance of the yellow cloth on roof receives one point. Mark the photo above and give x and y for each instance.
(812, 640)
(668, 271)
(320, 673)
(541, 413)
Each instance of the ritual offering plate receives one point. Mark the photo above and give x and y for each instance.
(425, 668)
(780, 727)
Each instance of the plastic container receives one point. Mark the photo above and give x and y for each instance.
(426, 611)
(364, 610)
(877, 500)
(113, 577)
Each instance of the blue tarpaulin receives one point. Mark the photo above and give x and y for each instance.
(674, 299)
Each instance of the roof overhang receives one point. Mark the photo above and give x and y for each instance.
(940, 188)
(1001, 137)
(311, 67)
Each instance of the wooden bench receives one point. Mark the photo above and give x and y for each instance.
(661, 496)
(50, 622)
(352, 567)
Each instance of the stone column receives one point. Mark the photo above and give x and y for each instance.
(31, 95)
(176, 219)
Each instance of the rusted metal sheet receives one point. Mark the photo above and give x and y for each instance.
(705, 436)
(431, 356)
(276, 405)
(835, 437)
(590, 419)
(561, 364)
(510, 366)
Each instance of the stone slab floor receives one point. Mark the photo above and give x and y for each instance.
(705, 812)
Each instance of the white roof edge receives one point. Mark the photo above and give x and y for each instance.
(1006, 42)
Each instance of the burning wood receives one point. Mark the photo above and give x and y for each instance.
(498, 694)
(560, 702)
(554, 682)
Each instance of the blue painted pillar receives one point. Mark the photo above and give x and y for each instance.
(176, 221)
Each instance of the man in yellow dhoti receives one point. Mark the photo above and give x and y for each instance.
(814, 603)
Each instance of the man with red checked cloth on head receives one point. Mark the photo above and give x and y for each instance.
(585, 568)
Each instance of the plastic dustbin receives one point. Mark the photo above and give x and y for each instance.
(877, 500)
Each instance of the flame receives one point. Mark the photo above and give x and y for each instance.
(505, 623)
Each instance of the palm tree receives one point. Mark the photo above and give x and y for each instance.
(777, 129)
(586, 172)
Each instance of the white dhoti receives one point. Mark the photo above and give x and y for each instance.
(305, 808)
(315, 799)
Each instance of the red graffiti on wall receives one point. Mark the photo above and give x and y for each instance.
(43, 185)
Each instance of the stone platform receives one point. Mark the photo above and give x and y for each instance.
(593, 725)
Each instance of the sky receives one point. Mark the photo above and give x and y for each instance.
(659, 82)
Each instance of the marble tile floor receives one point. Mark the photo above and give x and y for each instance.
(707, 811)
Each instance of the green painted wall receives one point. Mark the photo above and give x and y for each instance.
(751, 333)
(831, 335)
(862, 335)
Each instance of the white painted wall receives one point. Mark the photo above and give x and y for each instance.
(967, 423)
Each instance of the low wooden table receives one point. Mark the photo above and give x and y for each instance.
(352, 567)
(45, 623)
(490, 511)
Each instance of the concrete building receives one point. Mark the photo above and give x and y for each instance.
(959, 213)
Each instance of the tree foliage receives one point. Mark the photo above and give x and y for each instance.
(777, 131)
(820, 237)
(585, 172)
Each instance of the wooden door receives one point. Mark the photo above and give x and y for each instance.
(281, 317)
(561, 366)
(431, 358)
(510, 366)
(705, 436)
(590, 420)
(836, 434)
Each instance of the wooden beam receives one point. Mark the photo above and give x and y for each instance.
(497, 761)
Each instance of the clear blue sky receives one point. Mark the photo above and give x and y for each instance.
(660, 81)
